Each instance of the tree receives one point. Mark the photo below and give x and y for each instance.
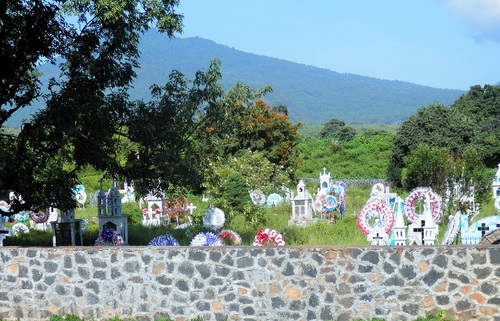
(88, 106)
(168, 132)
(337, 129)
(30, 31)
(258, 173)
(481, 106)
(435, 126)
(265, 130)
(428, 166)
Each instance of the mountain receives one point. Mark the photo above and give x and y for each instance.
(312, 94)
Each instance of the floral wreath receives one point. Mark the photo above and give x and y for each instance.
(375, 207)
(19, 228)
(213, 218)
(164, 240)
(422, 193)
(107, 235)
(326, 203)
(268, 236)
(229, 237)
(21, 217)
(205, 239)
(39, 217)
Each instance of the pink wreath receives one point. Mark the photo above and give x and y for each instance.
(421, 193)
(373, 208)
(40, 217)
(267, 237)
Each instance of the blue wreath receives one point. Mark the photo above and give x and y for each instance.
(205, 239)
(164, 240)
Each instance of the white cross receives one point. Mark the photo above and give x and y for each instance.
(191, 208)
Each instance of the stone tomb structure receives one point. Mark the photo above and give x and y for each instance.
(109, 212)
(66, 230)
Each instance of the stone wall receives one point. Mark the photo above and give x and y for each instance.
(250, 283)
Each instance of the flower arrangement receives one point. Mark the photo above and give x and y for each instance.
(109, 236)
(375, 209)
(229, 237)
(421, 193)
(164, 240)
(19, 228)
(21, 217)
(206, 239)
(268, 236)
(40, 217)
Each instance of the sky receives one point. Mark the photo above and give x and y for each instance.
(451, 44)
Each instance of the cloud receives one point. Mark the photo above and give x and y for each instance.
(482, 16)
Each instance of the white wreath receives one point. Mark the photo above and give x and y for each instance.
(214, 218)
(19, 228)
(375, 208)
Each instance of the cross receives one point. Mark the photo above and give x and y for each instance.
(420, 229)
(191, 208)
(377, 238)
(483, 228)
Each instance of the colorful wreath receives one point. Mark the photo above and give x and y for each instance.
(205, 239)
(229, 237)
(421, 193)
(39, 217)
(267, 237)
(164, 240)
(109, 236)
(375, 208)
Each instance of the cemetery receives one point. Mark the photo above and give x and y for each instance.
(219, 276)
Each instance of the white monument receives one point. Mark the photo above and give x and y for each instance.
(496, 184)
(302, 205)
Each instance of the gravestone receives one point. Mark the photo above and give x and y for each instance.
(66, 230)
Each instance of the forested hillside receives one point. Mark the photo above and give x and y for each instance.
(312, 95)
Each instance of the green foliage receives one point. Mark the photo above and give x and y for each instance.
(235, 191)
(87, 103)
(337, 129)
(427, 166)
(480, 106)
(257, 171)
(254, 215)
(362, 157)
(69, 317)
(435, 126)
